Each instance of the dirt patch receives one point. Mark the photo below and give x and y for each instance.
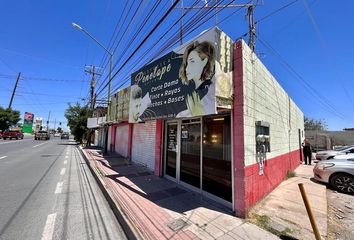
(340, 215)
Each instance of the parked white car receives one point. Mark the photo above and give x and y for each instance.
(323, 155)
(337, 172)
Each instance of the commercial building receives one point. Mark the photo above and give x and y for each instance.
(211, 117)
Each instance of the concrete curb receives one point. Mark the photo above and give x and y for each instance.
(129, 229)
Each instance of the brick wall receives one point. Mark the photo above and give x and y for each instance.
(143, 145)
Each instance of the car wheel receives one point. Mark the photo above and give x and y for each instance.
(343, 182)
(5, 138)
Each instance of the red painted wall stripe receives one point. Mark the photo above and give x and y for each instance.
(238, 132)
(275, 170)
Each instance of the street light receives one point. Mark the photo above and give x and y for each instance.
(78, 27)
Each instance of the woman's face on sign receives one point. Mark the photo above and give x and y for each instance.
(136, 104)
(195, 66)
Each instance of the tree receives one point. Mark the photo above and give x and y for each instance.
(313, 124)
(8, 117)
(77, 121)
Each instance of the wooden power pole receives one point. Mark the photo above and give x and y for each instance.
(14, 91)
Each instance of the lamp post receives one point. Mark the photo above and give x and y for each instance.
(78, 27)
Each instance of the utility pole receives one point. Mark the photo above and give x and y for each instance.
(252, 28)
(55, 123)
(250, 7)
(48, 122)
(93, 72)
(14, 91)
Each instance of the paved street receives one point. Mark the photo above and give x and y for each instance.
(48, 192)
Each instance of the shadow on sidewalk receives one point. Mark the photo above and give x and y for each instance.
(160, 191)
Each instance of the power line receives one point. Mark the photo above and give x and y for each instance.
(132, 38)
(6, 76)
(323, 101)
(175, 38)
(325, 50)
(143, 41)
(168, 43)
(275, 12)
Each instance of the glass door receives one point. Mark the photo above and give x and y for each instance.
(217, 157)
(171, 149)
(190, 152)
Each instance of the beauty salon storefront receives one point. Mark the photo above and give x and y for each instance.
(197, 154)
(190, 90)
(200, 115)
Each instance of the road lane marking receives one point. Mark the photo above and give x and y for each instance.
(66, 156)
(15, 141)
(62, 172)
(39, 144)
(49, 227)
(59, 188)
(65, 162)
(3, 157)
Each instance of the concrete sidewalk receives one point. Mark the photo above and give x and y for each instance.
(150, 207)
(284, 211)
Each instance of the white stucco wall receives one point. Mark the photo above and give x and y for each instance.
(266, 100)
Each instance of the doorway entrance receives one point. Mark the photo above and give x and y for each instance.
(197, 154)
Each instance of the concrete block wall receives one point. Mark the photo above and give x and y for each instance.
(143, 144)
(259, 97)
(266, 100)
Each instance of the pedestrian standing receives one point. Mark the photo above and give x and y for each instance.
(307, 150)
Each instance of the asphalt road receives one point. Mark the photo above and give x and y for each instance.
(48, 192)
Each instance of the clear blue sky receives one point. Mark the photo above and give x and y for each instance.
(37, 39)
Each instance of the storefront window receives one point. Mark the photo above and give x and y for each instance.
(217, 156)
(190, 153)
(171, 149)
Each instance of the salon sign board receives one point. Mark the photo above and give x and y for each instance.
(119, 107)
(191, 80)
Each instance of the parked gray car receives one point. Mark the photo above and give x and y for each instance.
(337, 172)
(323, 155)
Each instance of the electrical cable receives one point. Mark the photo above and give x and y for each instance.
(191, 24)
(144, 40)
(128, 45)
(325, 102)
(326, 51)
(275, 12)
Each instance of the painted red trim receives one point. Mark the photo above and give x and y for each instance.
(130, 140)
(113, 137)
(238, 132)
(158, 148)
(275, 170)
